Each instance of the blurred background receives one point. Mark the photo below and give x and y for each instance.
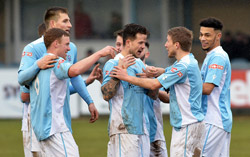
(95, 21)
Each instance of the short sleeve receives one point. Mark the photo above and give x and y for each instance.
(108, 67)
(61, 69)
(176, 74)
(215, 70)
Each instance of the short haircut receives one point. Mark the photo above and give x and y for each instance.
(212, 22)
(118, 33)
(130, 31)
(147, 44)
(53, 14)
(53, 34)
(182, 35)
(41, 29)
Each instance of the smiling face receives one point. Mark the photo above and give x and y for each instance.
(63, 46)
(63, 22)
(137, 45)
(209, 38)
(170, 47)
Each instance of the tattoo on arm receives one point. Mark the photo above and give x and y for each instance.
(110, 88)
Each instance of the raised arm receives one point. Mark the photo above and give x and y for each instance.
(83, 65)
(147, 83)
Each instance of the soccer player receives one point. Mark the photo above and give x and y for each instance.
(185, 83)
(125, 99)
(50, 110)
(31, 63)
(153, 116)
(216, 76)
(119, 40)
(41, 29)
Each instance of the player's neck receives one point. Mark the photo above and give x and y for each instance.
(181, 54)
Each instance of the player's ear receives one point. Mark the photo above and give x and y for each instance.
(52, 23)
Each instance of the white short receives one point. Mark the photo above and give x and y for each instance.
(26, 144)
(158, 148)
(121, 145)
(188, 141)
(34, 144)
(30, 143)
(145, 145)
(217, 142)
(60, 144)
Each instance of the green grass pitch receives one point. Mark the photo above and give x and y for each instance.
(92, 139)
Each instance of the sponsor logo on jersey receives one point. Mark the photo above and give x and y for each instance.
(27, 54)
(59, 63)
(215, 66)
(174, 70)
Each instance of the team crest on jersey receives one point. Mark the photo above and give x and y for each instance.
(179, 74)
(59, 63)
(69, 58)
(215, 66)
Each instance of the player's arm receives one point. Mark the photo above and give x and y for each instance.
(214, 74)
(207, 88)
(163, 96)
(83, 65)
(153, 94)
(29, 67)
(110, 88)
(24, 94)
(152, 84)
(152, 71)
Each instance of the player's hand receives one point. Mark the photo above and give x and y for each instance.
(119, 73)
(108, 50)
(25, 97)
(96, 73)
(126, 61)
(150, 71)
(94, 113)
(47, 61)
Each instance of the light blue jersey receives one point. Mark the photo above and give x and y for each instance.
(126, 107)
(50, 110)
(185, 83)
(28, 66)
(216, 69)
(36, 49)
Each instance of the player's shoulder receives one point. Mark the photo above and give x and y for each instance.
(35, 43)
(218, 52)
(72, 45)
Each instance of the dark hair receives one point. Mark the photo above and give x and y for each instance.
(182, 35)
(53, 14)
(118, 33)
(41, 29)
(147, 44)
(130, 31)
(53, 34)
(212, 22)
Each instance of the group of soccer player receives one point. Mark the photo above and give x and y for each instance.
(199, 100)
